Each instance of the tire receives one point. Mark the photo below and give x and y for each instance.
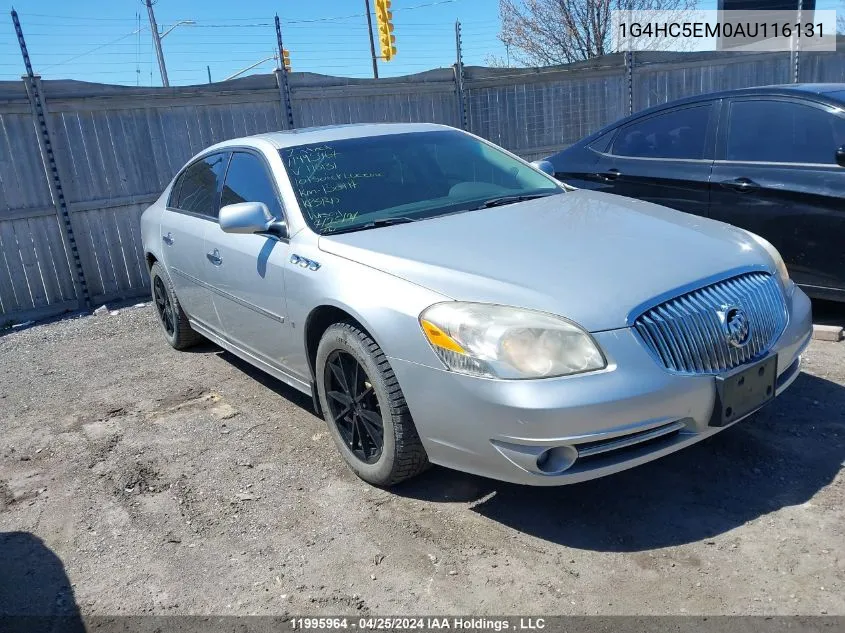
(402, 455)
(171, 317)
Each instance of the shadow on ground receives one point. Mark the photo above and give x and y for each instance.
(829, 312)
(35, 593)
(277, 386)
(780, 457)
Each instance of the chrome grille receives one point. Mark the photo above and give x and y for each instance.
(686, 334)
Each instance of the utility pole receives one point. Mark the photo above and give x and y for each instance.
(372, 41)
(282, 77)
(208, 68)
(157, 44)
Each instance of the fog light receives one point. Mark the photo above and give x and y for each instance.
(556, 459)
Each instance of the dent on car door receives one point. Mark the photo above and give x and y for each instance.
(248, 274)
(192, 208)
(777, 176)
(664, 158)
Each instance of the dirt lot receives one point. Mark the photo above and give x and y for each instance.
(187, 482)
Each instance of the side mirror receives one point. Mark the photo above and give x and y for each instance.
(250, 217)
(544, 166)
(840, 156)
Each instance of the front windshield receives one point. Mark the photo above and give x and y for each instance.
(358, 183)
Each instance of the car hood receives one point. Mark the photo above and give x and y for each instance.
(588, 256)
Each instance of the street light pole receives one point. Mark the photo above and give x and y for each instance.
(179, 23)
(251, 66)
(157, 43)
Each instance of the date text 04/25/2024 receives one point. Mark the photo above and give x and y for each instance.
(418, 623)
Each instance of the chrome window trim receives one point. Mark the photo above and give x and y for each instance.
(662, 160)
(772, 163)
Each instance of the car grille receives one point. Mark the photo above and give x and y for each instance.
(687, 334)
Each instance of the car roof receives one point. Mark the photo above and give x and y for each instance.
(785, 90)
(827, 91)
(328, 133)
(777, 89)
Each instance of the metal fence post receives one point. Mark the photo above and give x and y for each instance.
(629, 75)
(459, 78)
(795, 44)
(282, 79)
(48, 159)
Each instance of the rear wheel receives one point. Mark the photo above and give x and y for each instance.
(365, 409)
(173, 320)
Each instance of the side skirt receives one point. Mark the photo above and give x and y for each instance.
(264, 366)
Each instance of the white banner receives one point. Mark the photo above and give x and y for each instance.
(706, 30)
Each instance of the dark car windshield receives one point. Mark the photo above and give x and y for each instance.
(360, 183)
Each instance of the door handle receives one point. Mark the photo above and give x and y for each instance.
(742, 185)
(610, 174)
(214, 257)
(167, 239)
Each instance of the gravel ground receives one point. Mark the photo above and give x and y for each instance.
(187, 482)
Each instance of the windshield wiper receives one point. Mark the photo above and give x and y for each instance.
(497, 202)
(373, 224)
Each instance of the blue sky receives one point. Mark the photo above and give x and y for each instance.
(328, 36)
(100, 40)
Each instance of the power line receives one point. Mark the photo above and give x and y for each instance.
(93, 50)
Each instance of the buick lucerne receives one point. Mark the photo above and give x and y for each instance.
(444, 301)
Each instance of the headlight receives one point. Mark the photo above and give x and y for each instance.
(495, 341)
(783, 273)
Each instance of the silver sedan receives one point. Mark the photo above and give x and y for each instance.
(445, 302)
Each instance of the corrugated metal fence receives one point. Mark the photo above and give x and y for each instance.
(116, 147)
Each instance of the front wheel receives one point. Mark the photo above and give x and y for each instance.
(365, 409)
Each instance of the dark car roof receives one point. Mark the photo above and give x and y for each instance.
(779, 89)
(828, 92)
(824, 90)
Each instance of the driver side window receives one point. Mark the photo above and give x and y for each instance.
(247, 180)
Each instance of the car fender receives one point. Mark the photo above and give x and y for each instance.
(386, 306)
(151, 228)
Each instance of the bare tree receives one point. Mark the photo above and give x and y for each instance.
(547, 32)
(496, 61)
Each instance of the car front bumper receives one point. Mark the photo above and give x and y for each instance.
(599, 423)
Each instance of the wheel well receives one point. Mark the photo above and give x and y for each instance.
(315, 326)
(151, 259)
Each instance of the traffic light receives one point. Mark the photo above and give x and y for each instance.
(286, 59)
(386, 39)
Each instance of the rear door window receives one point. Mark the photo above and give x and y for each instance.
(783, 132)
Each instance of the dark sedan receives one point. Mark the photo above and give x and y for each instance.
(770, 160)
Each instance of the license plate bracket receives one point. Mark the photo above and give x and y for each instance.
(744, 391)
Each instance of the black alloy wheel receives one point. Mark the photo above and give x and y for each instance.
(164, 307)
(353, 406)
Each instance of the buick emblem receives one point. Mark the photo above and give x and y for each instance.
(736, 325)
